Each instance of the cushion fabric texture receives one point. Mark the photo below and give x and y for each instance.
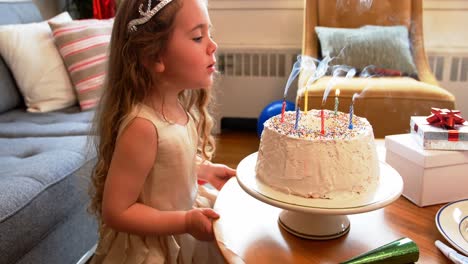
(70, 121)
(386, 47)
(19, 13)
(38, 69)
(83, 45)
(37, 198)
(80, 231)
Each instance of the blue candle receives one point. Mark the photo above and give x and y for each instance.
(297, 118)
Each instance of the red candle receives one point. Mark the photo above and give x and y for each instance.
(323, 122)
(283, 109)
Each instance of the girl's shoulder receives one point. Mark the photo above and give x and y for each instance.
(141, 127)
(138, 137)
(138, 128)
(140, 118)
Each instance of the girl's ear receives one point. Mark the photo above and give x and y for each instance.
(159, 66)
(155, 65)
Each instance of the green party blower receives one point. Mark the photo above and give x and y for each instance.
(400, 251)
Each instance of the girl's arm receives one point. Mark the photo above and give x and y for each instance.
(134, 155)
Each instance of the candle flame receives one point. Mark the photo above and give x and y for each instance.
(337, 92)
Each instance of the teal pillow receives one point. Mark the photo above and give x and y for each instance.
(385, 47)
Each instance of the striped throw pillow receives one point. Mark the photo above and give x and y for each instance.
(83, 45)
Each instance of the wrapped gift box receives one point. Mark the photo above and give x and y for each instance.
(429, 176)
(434, 137)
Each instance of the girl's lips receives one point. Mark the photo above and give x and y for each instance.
(211, 68)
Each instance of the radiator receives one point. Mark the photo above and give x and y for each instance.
(451, 70)
(250, 79)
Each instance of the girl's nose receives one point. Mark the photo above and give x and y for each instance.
(212, 46)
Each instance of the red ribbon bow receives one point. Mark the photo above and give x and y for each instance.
(445, 118)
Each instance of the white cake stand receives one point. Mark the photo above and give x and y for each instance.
(319, 219)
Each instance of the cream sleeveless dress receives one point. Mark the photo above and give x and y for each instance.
(171, 185)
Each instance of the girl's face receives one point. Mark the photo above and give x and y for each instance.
(189, 60)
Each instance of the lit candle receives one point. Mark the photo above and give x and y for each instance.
(337, 93)
(322, 118)
(297, 117)
(283, 109)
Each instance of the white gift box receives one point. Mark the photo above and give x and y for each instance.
(434, 137)
(429, 176)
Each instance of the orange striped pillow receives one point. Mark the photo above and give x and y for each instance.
(83, 45)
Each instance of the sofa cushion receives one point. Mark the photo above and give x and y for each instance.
(38, 69)
(65, 122)
(81, 233)
(13, 13)
(84, 46)
(42, 182)
(19, 12)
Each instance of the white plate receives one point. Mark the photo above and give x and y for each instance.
(452, 222)
(388, 190)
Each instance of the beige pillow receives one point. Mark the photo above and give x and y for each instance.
(84, 46)
(30, 53)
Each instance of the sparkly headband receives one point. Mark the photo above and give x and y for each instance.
(146, 16)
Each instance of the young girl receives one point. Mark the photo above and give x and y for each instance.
(154, 137)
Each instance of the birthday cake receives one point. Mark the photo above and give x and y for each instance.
(305, 160)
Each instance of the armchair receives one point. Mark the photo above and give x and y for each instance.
(388, 102)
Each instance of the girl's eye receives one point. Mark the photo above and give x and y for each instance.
(197, 39)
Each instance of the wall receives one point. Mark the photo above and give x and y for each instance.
(446, 34)
(445, 25)
(257, 23)
(278, 24)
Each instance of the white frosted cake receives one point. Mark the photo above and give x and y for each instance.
(307, 163)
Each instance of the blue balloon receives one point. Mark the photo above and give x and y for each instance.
(272, 109)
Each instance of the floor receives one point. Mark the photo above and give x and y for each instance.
(233, 146)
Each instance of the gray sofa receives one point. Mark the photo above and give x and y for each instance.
(45, 165)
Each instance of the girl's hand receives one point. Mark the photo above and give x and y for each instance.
(217, 174)
(198, 223)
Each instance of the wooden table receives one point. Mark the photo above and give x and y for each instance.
(248, 231)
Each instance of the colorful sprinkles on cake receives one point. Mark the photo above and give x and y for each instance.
(309, 126)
